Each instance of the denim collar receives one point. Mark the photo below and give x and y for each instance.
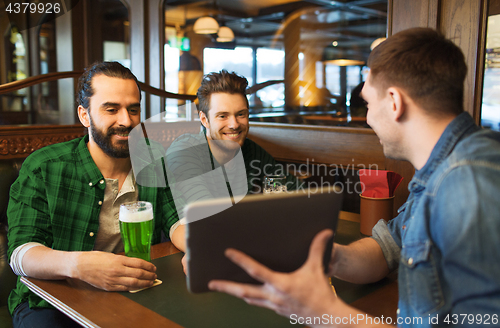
(462, 126)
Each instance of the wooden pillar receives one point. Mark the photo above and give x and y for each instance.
(313, 96)
(80, 36)
(291, 36)
(464, 22)
(190, 81)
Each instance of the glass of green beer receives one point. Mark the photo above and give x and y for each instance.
(136, 227)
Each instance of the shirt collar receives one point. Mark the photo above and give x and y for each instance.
(90, 172)
(462, 126)
(128, 184)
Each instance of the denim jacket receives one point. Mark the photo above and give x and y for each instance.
(446, 239)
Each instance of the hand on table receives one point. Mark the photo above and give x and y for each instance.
(113, 272)
(304, 292)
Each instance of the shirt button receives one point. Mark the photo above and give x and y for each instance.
(398, 311)
(101, 182)
(410, 261)
(404, 227)
(91, 234)
(90, 184)
(100, 202)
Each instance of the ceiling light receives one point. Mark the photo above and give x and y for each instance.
(342, 57)
(225, 34)
(206, 25)
(376, 43)
(344, 62)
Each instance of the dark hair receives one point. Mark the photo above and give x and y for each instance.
(222, 81)
(430, 68)
(110, 69)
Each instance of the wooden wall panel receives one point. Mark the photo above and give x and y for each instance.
(17, 142)
(411, 13)
(325, 145)
(463, 22)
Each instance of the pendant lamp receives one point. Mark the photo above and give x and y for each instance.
(225, 34)
(206, 25)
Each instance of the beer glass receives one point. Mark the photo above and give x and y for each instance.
(136, 228)
(274, 184)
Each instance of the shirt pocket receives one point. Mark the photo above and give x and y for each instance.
(422, 279)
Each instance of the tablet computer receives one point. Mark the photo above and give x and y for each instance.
(276, 230)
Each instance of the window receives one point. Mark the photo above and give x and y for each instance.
(172, 59)
(311, 54)
(490, 109)
(115, 31)
(13, 106)
(239, 60)
(270, 66)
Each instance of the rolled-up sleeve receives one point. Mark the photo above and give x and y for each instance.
(388, 235)
(28, 214)
(390, 248)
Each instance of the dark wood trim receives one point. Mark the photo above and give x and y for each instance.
(390, 11)
(20, 141)
(21, 84)
(16, 85)
(433, 14)
(162, 93)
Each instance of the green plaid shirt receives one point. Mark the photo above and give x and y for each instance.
(56, 201)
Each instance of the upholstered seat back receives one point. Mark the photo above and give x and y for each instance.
(8, 174)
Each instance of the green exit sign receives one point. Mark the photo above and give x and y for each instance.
(179, 42)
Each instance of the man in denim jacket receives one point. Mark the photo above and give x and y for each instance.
(445, 240)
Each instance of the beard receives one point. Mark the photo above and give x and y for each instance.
(103, 140)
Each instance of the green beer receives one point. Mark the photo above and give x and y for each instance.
(136, 227)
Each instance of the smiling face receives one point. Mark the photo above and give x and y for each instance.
(227, 118)
(114, 111)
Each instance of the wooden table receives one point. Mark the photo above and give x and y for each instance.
(92, 307)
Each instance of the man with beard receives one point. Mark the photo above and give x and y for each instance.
(63, 208)
(210, 165)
